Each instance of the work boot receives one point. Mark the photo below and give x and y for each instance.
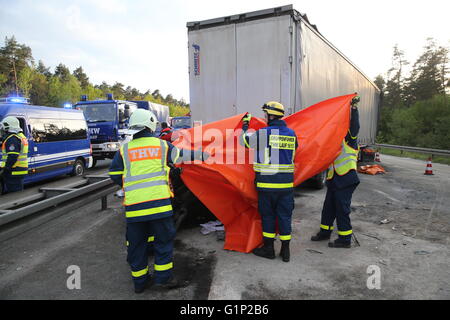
(146, 285)
(172, 283)
(267, 250)
(321, 235)
(284, 252)
(340, 243)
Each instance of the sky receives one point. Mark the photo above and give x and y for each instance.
(143, 43)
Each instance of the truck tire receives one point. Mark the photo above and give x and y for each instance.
(78, 168)
(319, 180)
(94, 163)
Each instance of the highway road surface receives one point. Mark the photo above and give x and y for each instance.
(405, 258)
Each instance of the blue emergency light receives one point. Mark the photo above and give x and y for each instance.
(67, 105)
(14, 99)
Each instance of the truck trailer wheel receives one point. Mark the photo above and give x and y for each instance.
(78, 168)
(319, 180)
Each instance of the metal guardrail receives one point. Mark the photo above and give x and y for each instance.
(97, 187)
(416, 149)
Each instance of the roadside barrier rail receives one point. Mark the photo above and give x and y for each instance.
(90, 189)
(416, 149)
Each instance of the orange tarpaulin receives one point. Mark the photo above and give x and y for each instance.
(225, 183)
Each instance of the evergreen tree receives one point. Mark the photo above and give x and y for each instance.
(81, 76)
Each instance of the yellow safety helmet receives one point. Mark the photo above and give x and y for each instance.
(274, 108)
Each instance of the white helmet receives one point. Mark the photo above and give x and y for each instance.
(10, 124)
(141, 119)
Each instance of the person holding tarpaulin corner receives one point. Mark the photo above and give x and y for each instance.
(275, 147)
(342, 181)
(141, 168)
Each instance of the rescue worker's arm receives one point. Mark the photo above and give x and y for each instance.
(12, 148)
(248, 140)
(354, 123)
(176, 155)
(116, 169)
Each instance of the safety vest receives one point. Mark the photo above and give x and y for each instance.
(146, 177)
(20, 167)
(274, 166)
(346, 161)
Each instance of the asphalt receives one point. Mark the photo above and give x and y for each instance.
(411, 251)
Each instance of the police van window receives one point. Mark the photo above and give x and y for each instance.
(46, 130)
(22, 125)
(123, 112)
(73, 129)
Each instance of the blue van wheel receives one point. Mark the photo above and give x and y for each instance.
(78, 168)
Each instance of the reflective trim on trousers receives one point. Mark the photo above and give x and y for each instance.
(322, 226)
(269, 235)
(164, 267)
(345, 233)
(140, 273)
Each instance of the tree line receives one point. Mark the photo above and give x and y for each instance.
(415, 103)
(21, 75)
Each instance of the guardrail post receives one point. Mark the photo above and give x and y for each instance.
(104, 203)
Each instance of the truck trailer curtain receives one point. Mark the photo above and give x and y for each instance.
(225, 181)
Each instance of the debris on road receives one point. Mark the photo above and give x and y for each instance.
(371, 169)
(211, 226)
(371, 236)
(314, 251)
(385, 221)
(422, 252)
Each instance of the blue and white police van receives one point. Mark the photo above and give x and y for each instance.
(58, 139)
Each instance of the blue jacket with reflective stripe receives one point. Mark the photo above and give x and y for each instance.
(261, 142)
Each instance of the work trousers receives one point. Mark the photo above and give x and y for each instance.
(138, 234)
(337, 207)
(11, 183)
(273, 207)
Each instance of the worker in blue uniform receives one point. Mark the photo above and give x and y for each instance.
(141, 168)
(274, 147)
(14, 155)
(342, 180)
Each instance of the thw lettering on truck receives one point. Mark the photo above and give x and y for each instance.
(94, 130)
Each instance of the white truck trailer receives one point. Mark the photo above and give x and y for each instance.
(239, 62)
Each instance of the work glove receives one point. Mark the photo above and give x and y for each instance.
(355, 101)
(247, 118)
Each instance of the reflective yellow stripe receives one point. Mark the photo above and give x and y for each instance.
(151, 239)
(13, 153)
(350, 134)
(163, 267)
(269, 235)
(139, 273)
(18, 173)
(113, 173)
(345, 233)
(127, 243)
(275, 185)
(138, 213)
(288, 237)
(326, 227)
